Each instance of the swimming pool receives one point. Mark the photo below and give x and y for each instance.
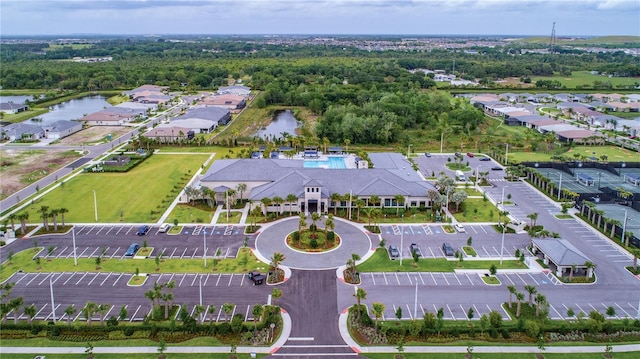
(331, 162)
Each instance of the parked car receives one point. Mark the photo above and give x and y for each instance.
(496, 168)
(143, 230)
(469, 154)
(457, 154)
(459, 228)
(485, 158)
(447, 249)
(164, 228)
(427, 154)
(394, 252)
(133, 248)
(256, 277)
(414, 248)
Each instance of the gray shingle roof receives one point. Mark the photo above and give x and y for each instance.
(561, 252)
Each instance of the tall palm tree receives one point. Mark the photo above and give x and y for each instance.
(279, 201)
(15, 304)
(360, 295)
(30, 312)
(197, 312)
(377, 309)
(534, 217)
(241, 187)
(354, 258)
(70, 311)
(635, 252)
(540, 301)
(531, 289)
(227, 308)
(359, 205)
(22, 217)
(276, 259)
(519, 298)
(44, 214)
(211, 311)
(62, 211)
(315, 217)
(88, 311)
(374, 200)
(102, 309)
(329, 224)
(12, 217)
(336, 198)
(399, 202)
(302, 223)
(266, 201)
(589, 265)
(257, 311)
(572, 271)
(290, 199)
(54, 215)
(512, 291)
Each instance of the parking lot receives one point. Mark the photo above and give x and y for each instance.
(433, 165)
(217, 289)
(485, 240)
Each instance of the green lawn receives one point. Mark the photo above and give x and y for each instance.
(123, 197)
(186, 213)
(24, 261)
(234, 217)
(613, 153)
(491, 280)
(616, 355)
(476, 210)
(582, 78)
(380, 262)
(22, 116)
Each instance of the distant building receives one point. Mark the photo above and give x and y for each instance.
(238, 90)
(61, 129)
(13, 108)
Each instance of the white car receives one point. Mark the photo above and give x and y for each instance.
(164, 228)
(459, 228)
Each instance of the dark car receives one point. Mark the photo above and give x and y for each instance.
(447, 249)
(496, 168)
(414, 248)
(394, 252)
(143, 230)
(485, 159)
(427, 154)
(256, 277)
(133, 248)
(457, 154)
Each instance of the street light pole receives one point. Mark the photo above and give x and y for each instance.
(53, 304)
(350, 199)
(95, 204)
(73, 237)
(204, 240)
(401, 244)
(624, 226)
(506, 155)
(560, 186)
(200, 285)
(504, 226)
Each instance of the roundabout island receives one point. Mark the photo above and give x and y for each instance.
(352, 239)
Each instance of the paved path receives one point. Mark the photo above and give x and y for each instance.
(272, 239)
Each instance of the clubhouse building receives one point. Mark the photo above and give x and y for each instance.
(313, 181)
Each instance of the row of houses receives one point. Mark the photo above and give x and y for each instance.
(29, 131)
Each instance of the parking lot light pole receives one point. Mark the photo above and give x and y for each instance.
(350, 198)
(624, 228)
(73, 237)
(95, 204)
(200, 285)
(409, 151)
(560, 186)
(401, 244)
(53, 304)
(204, 239)
(506, 155)
(504, 226)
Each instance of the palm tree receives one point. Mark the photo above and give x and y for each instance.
(531, 289)
(590, 267)
(360, 295)
(15, 305)
(211, 310)
(374, 200)
(533, 217)
(302, 224)
(167, 298)
(266, 201)
(241, 187)
(354, 258)
(399, 202)
(614, 223)
(443, 127)
(328, 224)
(69, 311)
(44, 214)
(197, 313)
(377, 309)
(290, 199)
(276, 259)
(315, 216)
(62, 211)
(258, 309)
(540, 301)
(571, 271)
(512, 291)
(519, 298)
(88, 311)
(22, 217)
(30, 312)
(347, 142)
(279, 201)
(227, 308)
(102, 309)
(54, 215)
(12, 217)
(170, 285)
(359, 205)
(636, 253)
(336, 198)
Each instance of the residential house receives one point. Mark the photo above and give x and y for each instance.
(233, 102)
(219, 115)
(61, 129)
(169, 133)
(12, 108)
(238, 90)
(21, 130)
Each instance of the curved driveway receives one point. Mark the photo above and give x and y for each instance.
(272, 239)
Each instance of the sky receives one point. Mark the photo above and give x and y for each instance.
(419, 17)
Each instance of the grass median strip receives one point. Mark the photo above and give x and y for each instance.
(24, 261)
(380, 262)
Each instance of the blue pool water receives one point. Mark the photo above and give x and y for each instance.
(332, 162)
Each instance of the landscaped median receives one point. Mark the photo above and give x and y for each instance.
(26, 261)
(380, 262)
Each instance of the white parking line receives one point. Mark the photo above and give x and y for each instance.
(625, 312)
(183, 253)
(129, 230)
(80, 255)
(100, 230)
(45, 278)
(41, 309)
(117, 279)
(384, 275)
(133, 316)
(533, 279)
(34, 278)
(433, 278)
(246, 315)
(194, 279)
(422, 280)
(172, 253)
(194, 253)
(119, 229)
(81, 278)
(470, 281)
(205, 280)
(55, 280)
(410, 313)
(115, 252)
(230, 279)
(373, 278)
(94, 252)
(107, 277)
(458, 279)
(62, 251)
(445, 278)
(398, 279)
(94, 278)
(450, 311)
(218, 281)
(554, 309)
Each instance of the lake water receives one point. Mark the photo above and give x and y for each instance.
(74, 109)
(283, 121)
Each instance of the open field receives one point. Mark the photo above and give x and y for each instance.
(614, 154)
(476, 210)
(582, 78)
(54, 47)
(611, 40)
(186, 213)
(93, 135)
(20, 168)
(140, 195)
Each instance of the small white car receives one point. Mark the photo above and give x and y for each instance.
(164, 228)
(459, 228)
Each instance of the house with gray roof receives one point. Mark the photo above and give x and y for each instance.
(561, 255)
(390, 176)
(239, 90)
(21, 130)
(61, 129)
(217, 115)
(12, 108)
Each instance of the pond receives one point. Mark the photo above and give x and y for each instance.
(283, 121)
(74, 109)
